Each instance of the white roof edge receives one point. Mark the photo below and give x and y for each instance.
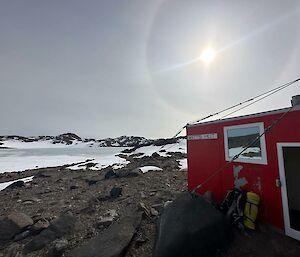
(253, 115)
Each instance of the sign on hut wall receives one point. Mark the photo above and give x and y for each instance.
(203, 136)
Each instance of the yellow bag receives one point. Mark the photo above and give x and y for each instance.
(251, 209)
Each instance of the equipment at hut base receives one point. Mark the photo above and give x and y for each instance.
(190, 226)
(251, 209)
(241, 208)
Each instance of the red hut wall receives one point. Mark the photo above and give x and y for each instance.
(206, 156)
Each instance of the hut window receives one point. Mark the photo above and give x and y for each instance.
(237, 138)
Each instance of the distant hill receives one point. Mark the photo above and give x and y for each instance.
(71, 139)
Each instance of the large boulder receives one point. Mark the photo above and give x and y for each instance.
(190, 226)
(113, 241)
(13, 224)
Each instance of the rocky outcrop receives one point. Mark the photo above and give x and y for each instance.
(67, 138)
(19, 138)
(125, 141)
(72, 138)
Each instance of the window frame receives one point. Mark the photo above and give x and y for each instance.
(263, 159)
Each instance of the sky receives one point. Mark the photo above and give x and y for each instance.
(108, 68)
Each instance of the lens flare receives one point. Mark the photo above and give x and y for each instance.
(208, 55)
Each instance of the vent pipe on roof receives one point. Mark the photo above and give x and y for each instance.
(295, 100)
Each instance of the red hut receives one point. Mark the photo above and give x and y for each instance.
(270, 167)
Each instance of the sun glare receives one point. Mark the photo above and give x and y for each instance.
(208, 55)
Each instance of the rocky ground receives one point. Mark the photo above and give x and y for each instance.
(83, 204)
(111, 212)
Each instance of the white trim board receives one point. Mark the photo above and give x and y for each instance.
(287, 225)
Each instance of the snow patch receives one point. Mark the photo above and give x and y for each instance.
(21, 163)
(145, 169)
(183, 164)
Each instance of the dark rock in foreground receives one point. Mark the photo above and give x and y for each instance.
(115, 192)
(60, 227)
(190, 226)
(13, 224)
(113, 241)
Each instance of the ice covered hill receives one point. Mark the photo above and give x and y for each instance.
(27, 153)
(71, 140)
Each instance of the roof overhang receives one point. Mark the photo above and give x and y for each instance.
(254, 115)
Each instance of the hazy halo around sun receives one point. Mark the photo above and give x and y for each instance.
(208, 55)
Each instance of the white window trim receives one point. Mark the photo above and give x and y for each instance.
(263, 159)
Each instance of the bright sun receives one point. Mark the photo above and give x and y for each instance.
(208, 55)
